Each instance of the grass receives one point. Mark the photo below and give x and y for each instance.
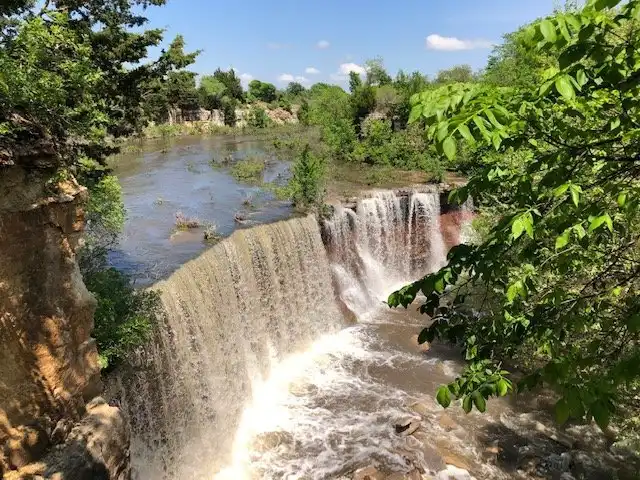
(249, 170)
(186, 223)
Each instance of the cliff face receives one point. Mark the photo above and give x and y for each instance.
(48, 361)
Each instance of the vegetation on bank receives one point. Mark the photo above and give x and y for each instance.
(552, 287)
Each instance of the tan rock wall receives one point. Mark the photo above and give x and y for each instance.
(48, 362)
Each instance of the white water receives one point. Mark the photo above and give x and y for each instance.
(252, 376)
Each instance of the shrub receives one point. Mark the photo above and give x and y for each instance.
(124, 316)
(249, 169)
(258, 118)
(307, 181)
(186, 223)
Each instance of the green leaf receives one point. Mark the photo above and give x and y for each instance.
(528, 224)
(581, 78)
(602, 4)
(467, 404)
(444, 396)
(565, 88)
(479, 400)
(601, 414)
(517, 228)
(416, 112)
(559, 191)
(515, 289)
(622, 199)
(449, 147)
(548, 31)
(466, 133)
(597, 222)
(502, 387)
(563, 239)
(562, 411)
(575, 194)
(424, 336)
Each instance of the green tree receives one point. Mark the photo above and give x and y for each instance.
(263, 91)
(307, 182)
(376, 72)
(556, 276)
(232, 84)
(355, 82)
(211, 92)
(363, 102)
(457, 74)
(295, 89)
(258, 118)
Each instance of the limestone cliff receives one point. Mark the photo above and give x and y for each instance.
(48, 360)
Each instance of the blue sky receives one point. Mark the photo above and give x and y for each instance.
(321, 40)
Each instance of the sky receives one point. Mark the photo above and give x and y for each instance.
(322, 40)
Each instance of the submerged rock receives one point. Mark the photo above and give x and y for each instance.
(454, 473)
(368, 473)
(404, 429)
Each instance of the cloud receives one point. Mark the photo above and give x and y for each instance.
(450, 44)
(322, 44)
(286, 78)
(344, 69)
(311, 71)
(277, 46)
(245, 78)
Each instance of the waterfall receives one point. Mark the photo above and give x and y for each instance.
(382, 243)
(230, 315)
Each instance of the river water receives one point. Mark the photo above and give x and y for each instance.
(277, 358)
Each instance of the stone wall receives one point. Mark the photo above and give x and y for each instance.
(48, 360)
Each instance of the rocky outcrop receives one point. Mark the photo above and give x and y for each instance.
(48, 360)
(97, 448)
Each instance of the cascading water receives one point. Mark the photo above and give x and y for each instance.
(231, 315)
(385, 242)
(256, 375)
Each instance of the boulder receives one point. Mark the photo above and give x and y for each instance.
(406, 428)
(447, 423)
(368, 473)
(454, 473)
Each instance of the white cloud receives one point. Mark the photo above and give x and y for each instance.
(322, 44)
(286, 77)
(311, 71)
(343, 71)
(245, 78)
(450, 44)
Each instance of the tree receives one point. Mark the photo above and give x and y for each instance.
(295, 89)
(363, 102)
(232, 84)
(407, 86)
(457, 74)
(376, 73)
(557, 275)
(307, 182)
(512, 64)
(211, 92)
(263, 91)
(355, 81)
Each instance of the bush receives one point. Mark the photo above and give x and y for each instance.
(258, 118)
(186, 223)
(249, 170)
(124, 317)
(307, 182)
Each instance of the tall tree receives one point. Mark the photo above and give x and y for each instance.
(557, 276)
(376, 72)
(457, 74)
(263, 91)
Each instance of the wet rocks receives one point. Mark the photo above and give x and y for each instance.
(454, 473)
(271, 440)
(447, 423)
(412, 475)
(406, 428)
(422, 348)
(368, 473)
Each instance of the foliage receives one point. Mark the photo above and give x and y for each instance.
(229, 111)
(258, 118)
(556, 277)
(457, 74)
(355, 82)
(512, 64)
(406, 87)
(232, 84)
(376, 73)
(124, 316)
(307, 182)
(263, 91)
(363, 102)
(211, 92)
(249, 170)
(295, 89)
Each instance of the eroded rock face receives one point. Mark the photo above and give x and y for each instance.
(48, 361)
